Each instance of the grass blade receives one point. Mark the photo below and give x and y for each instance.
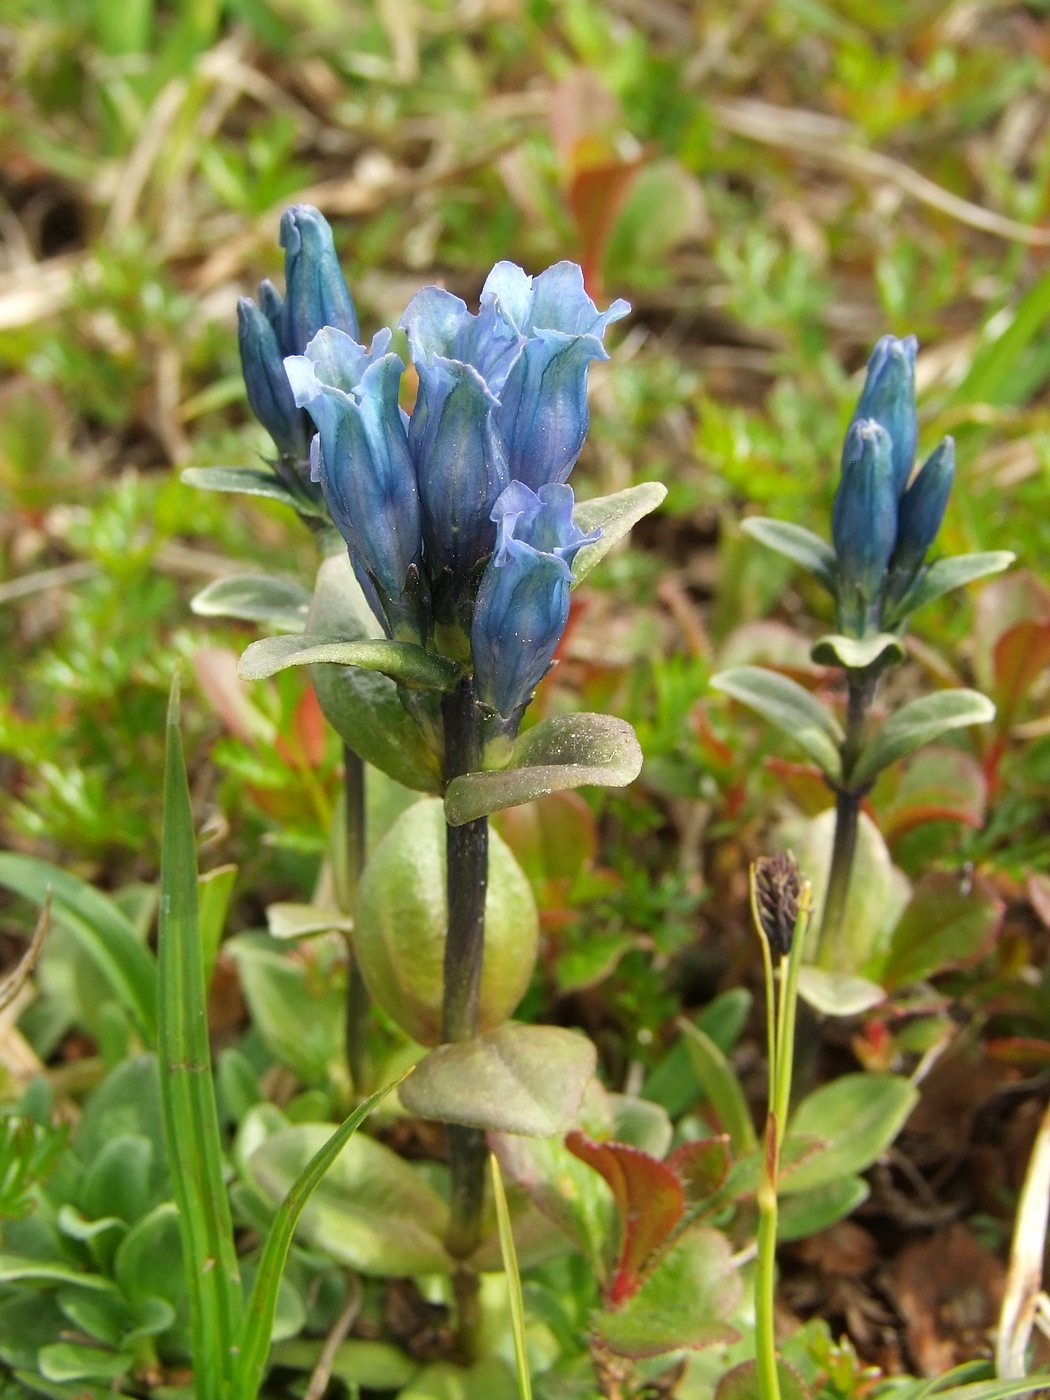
(191, 1122)
(100, 928)
(258, 1323)
(510, 1267)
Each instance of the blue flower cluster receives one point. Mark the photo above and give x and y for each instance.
(885, 519)
(457, 517)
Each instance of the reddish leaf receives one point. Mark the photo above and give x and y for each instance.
(1039, 896)
(650, 1199)
(938, 784)
(804, 783)
(1020, 654)
(950, 920)
(309, 725)
(1026, 1051)
(701, 1166)
(1015, 597)
(553, 837)
(216, 671)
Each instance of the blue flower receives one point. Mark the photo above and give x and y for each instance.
(316, 296)
(864, 524)
(362, 459)
(888, 397)
(919, 516)
(523, 602)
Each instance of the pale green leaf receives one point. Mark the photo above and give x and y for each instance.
(615, 515)
(276, 602)
(917, 723)
(791, 708)
(402, 662)
(801, 546)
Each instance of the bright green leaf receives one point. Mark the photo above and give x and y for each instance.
(854, 1118)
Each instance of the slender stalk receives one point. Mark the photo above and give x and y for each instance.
(847, 815)
(358, 1002)
(467, 856)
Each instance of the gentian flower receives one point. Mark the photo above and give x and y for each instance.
(919, 516)
(362, 459)
(864, 523)
(523, 602)
(888, 397)
(316, 296)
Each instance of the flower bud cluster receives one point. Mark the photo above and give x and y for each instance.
(885, 519)
(456, 516)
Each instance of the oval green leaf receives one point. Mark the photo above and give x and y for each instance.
(615, 515)
(802, 546)
(277, 602)
(854, 1119)
(948, 574)
(854, 654)
(791, 708)
(917, 723)
(251, 481)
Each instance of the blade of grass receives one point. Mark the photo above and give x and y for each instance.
(258, 1322)
(191, 1122)
(510, 1267)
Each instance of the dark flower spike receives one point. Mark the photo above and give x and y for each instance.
(269, 393)
(919, 517)
(362, 462)
(864, 524)
(523, 603)
(888, 397)
(777, 887)
(316, 293)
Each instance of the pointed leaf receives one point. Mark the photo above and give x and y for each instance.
(517, 1079)
(722, 1087)
(950, 921)
(648, 1195)
(251, 481)
(262, 1305)
(685, 1301)
(920, 722)
(566, 751)
(15, 1269)
(614, 515)
(99, 927)
(948, 574)
(364, 707)
(791, 708)
(858, 655)
(510, 1268)
(673, 1083)
(854, 1118)
(403, 662)
(213, 896)
(191, 1120)
(277, 602)
(798, 544)
(838, 993)
(1019, 657)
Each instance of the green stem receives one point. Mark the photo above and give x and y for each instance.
(358, 1002)
(847, 816)
(467, 856)
(766, 1270)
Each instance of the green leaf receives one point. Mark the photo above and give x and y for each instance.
(371, 1365)
(213, 896)
(854, 1119)
(510, 1268)
(917, 723)
(838, 993)
(741, 1383)
(858, 654)
(615, 515)
(566, 751)
(791, 708)
(99, 927)
(517, 1079)
(305, 920)
(686, 1300)
(950, 921)
(721, 1086)
(188, 1093)
(14, 1269)
(364, 707)
(74, 1361)
(251, 481)
(948, 574)
(262, 1305)
(277, 602)
(808, 1212)
(802, 546)
(403, 662)
(672, 1084)
(299, 1015)
(996, 362)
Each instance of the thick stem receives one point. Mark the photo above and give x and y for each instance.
(358, 1002)
(467, 849)
(847, 817)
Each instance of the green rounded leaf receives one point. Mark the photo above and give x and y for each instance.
(950, 921)
(948, 574)
(917, 723)
(615, 515)
(838, 993)
(811, 1211)
(854, 1119)
(566, 751)
(277, 602)
(517, 1079)
(403, 662)
(796, 543)
(791, 708)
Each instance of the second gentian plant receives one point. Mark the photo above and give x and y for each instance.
(452, 542)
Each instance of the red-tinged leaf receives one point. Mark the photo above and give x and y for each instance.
(553, 838)
(649, 1197)
(1015, 597)
(310, 731)
(1027, 1051)
(741, 1383)
(938, 784)
(1020, 654)
(716, 750)
(701, 1166)
(216, 672)
(950, 921)
(804, 783)
(596, 195)
(1039, 896)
